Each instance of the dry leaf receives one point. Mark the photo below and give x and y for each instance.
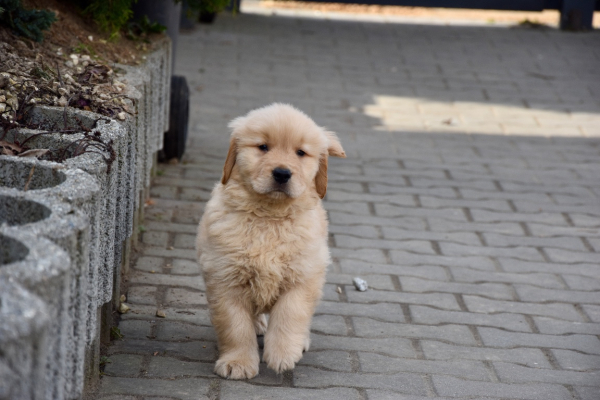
(34, 153)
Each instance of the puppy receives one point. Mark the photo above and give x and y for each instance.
(262, 241)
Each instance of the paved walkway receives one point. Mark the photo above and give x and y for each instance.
(470, 202)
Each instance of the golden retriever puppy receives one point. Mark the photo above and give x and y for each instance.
(262, 241)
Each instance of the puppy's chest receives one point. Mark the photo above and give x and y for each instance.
(268, 258)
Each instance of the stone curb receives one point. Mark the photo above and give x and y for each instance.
(91, 211)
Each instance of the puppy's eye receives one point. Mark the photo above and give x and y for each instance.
(264, 147)
(301, 153)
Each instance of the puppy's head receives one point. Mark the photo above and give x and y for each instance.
(278, 151)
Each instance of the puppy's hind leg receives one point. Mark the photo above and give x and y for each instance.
(238, 347)
(260, 324)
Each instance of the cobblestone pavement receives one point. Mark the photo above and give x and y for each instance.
(469, 201)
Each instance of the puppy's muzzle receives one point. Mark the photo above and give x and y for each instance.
(281, 175)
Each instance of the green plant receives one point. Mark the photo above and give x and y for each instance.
(28, 23)
(140, 29)
(110, 15)
(115, 333)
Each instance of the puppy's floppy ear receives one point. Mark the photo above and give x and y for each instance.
(229, 161)
(235, 125)
(321, 177)
(335, 147)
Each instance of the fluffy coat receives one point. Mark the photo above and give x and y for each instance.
(262, 244)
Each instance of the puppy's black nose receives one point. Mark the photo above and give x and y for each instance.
(282, 175)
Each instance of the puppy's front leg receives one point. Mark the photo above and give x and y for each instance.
(289, 328)
(238, 348)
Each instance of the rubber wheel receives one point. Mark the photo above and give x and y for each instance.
(207, 17)
(175, 137)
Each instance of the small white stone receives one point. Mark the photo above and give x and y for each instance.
(360, 284)
(121, 116)
(124, 308)
(2, 107)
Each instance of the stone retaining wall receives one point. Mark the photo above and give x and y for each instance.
(66, 231)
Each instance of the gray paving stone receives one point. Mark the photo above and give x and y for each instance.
(184, 241)
(177, 331)
(148, 264)
(195, 283)
(155, 238)
(429, 315)
(575, 360)
(569, 257)
(375, 281)
(356, 267)
(370, 362)
(531, 357)
(459, 334)
(482, 305)
(409, 222)
(183, 389)
(578, 282)
(538, 279)
(183, 267)
(497, 338)
(588, 392)
(331, 360)
(512, 373)
(394, 346)
(569, 243)
(514, 265)
(141, 295)
(167, 367)
(560, 327)
(543, 218)
(455, 387)
(370, 255)
(123, 365)
(593, 311)
(189, 254)
(185, 298)
(170, 227)
(383, 311)
(401, 382)
(375, 394)
(135, 329)
(475, 262)
(404, 234)
(234, 390)
(493, 290)
(507, 228)
(415, 246)
(197, 350)
(441, 300)
(523, 253)
(361, 231)
(535, 294)
(196, 316)
(389, 210)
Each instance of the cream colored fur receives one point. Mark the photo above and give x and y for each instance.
(263, 245)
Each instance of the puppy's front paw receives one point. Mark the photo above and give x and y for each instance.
(241, 368)
(281, 357)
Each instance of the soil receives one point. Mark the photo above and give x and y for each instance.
(75, 66)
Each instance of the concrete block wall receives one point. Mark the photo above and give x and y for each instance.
(89, 212)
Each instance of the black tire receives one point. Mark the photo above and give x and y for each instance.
(176, 136)
(207, 17)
